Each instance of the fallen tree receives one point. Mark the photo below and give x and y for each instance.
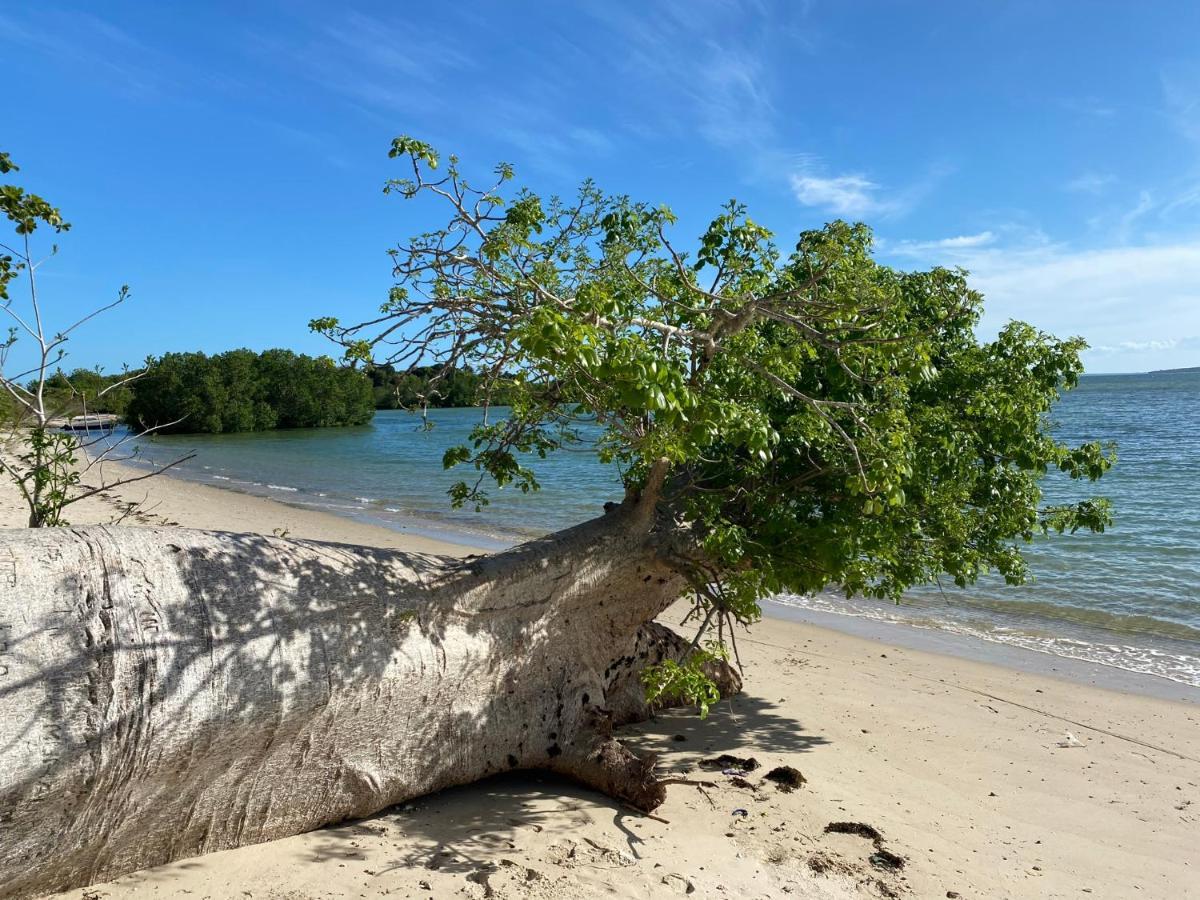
(167, 692)
(791, 423)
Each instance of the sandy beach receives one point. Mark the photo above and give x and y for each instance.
(942, 776)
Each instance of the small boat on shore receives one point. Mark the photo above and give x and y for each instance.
(88, 423)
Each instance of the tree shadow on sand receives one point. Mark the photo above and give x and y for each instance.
(480, 830)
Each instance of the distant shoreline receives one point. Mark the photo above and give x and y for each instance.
(1186, 370)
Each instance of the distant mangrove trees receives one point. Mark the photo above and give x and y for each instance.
(241, 390)
(435, 386)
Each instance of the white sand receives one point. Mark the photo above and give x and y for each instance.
(954, 761)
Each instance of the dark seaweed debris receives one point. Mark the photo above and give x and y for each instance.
(862, 829)
(886, 860)
(786, 778)
(882, 858)
(726, 761)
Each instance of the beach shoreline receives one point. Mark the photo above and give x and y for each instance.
(1008, 656)
(959, 760)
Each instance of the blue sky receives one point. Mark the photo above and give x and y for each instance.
(226, 159)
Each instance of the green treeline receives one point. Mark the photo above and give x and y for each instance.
(404, 390)
(241, 390)
(86, 391)
(72, 394)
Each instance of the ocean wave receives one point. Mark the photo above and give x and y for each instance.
(1066, 609)
(282, 487)
(1180, 667)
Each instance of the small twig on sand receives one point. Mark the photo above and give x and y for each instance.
(646, 814)
(698, 785)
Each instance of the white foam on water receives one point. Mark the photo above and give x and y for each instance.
(1179, 667)
(282, 487)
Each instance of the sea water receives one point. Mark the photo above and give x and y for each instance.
(1128, 598)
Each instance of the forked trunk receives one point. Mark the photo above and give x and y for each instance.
(166, 693)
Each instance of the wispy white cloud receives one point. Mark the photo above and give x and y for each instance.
(733, 100)
(1188, 197)
(1181, 95)
(1181, 98)
(1130, 302)
(417, 75)
(968, 240)
(381, 68)
(1129, 219)
(410, 52)
(1155, 214)
(92, 43)
(1137, 346)
(854, 195)
(1092, 107)
(712, 68)
(705, 64)
(1090, 183)
(556, 151)
(844, 195)
(1126, 300)
(922, 249)
(591, 138)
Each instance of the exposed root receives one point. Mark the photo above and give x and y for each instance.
(602, 762)
(613, 769)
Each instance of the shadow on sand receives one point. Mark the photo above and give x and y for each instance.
(475, 830)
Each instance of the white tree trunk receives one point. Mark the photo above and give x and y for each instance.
(166, 692)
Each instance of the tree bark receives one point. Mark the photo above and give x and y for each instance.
(166, 692)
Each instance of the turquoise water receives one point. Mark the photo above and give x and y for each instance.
(1128, 598)
(390, 472)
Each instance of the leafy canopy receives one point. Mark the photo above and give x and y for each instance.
(814, 417)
